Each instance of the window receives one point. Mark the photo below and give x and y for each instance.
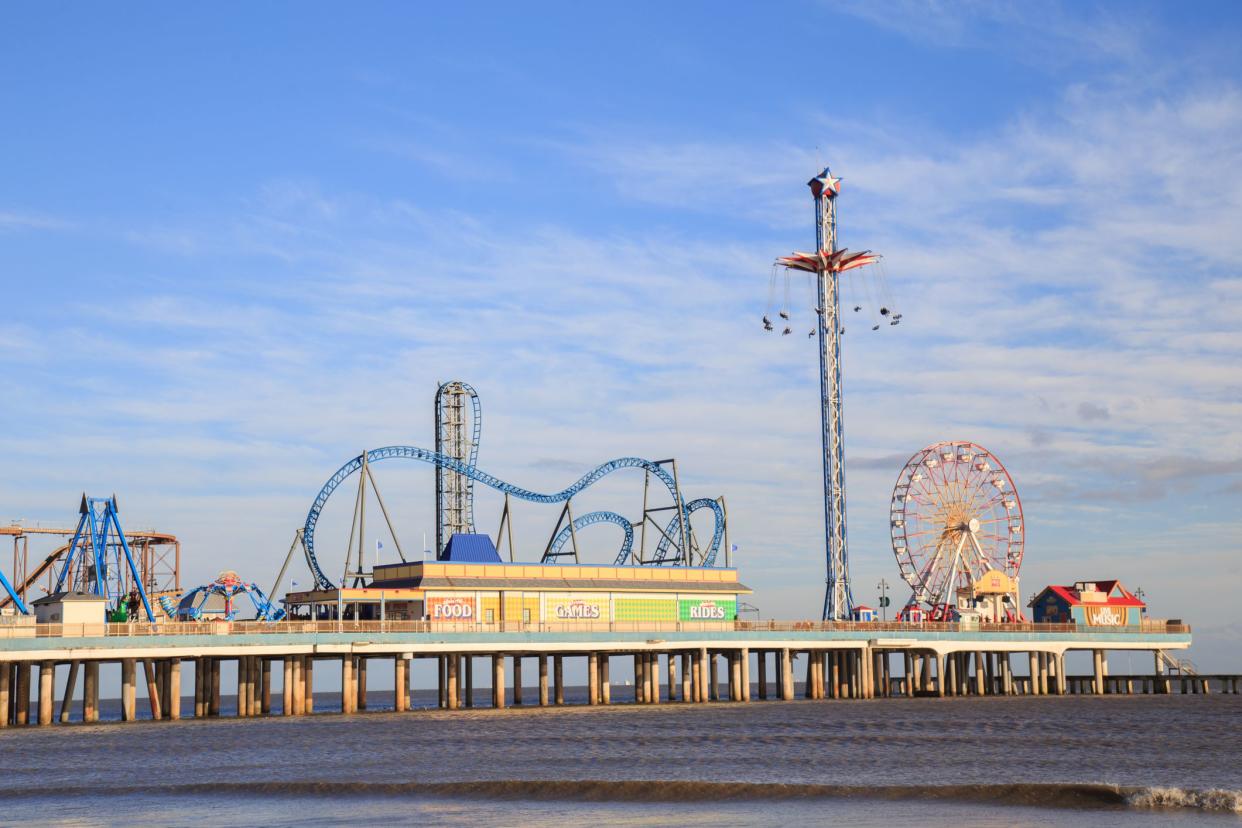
(490, 616)
(526, 616)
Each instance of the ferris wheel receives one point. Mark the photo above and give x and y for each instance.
(957, 531)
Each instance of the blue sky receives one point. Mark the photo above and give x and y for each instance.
(239, 244)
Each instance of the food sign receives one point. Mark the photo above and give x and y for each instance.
(450, 609)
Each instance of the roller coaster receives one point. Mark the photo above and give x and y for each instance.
(456, 473)
(157, 555)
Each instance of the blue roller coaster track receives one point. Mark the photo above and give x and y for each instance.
(663, 548)
(669, 543)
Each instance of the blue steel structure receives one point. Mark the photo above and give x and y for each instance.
(673, 538)
(17, 601)
(838, 597)
(664, 549)
(100, 526)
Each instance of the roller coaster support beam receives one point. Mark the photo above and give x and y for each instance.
(506, 522)
(17, 601)
(297, 541)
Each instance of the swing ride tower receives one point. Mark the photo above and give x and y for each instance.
(828, 263)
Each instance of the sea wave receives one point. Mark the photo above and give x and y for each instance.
(1077, 796)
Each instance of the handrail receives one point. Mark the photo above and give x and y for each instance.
(295, 626)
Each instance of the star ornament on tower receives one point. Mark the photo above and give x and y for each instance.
(825, 184)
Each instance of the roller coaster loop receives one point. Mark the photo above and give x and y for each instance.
(672, 535)
(662, 549)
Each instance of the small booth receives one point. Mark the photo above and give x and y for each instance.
(1089, 603)
(70, 608)
(862, 612)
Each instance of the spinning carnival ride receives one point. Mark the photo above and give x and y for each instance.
(457, 439)
(218, 600)
(957, 532)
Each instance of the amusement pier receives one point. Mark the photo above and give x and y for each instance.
(669, 604)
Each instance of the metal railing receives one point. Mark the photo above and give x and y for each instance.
(214, 628)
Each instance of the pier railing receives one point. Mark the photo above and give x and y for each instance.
(188, 628)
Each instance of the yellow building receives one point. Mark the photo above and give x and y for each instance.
(494, 593)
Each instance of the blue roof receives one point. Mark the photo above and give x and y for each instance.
(463, 548)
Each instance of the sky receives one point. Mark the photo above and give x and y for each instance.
(240, 243)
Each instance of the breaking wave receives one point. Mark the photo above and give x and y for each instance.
(1077, 796)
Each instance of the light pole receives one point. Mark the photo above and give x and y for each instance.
(882, 586)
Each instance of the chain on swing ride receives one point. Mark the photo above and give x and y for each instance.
(827, 267)
(458, 427)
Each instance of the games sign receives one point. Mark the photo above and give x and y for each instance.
(577, 609)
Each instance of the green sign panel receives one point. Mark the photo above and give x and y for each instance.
(710, 609)
(644, 609)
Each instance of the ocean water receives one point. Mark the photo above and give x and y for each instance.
(1158, 760)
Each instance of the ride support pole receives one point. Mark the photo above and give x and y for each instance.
(153, 691)
(787, 683)
(441, 687)
(265, 685)
(308, 683)
(71, 684)
(6, 696)
(129, 689)
(498, 681)
(452, 663)
(21, 700)
(298, 690)
(347, 684)
(165, 683)
(174, 688)
(672, 676)
(90, 692)
(47, 670)
(744, 655)
(400, 702)
(243, 670)
(734, 675)
(213, 704)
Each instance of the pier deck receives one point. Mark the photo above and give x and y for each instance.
(672, 661)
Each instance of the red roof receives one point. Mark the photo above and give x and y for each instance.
(1072, 596)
